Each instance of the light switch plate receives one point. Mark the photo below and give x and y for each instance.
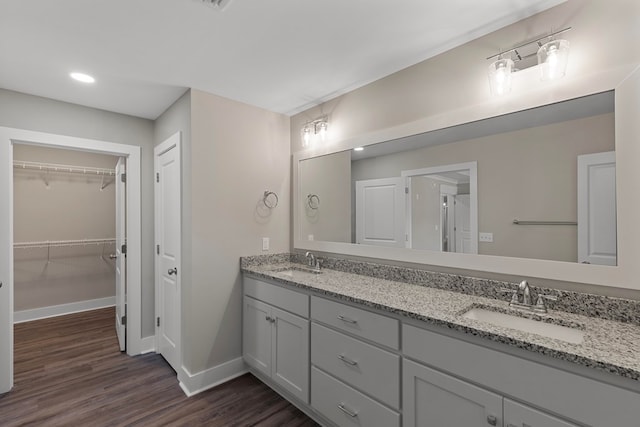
(486, 237)
(265, 243)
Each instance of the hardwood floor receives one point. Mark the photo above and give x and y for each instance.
(70, 372)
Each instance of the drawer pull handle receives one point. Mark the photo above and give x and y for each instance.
(347, 411)
(346, 319)
(347, 360)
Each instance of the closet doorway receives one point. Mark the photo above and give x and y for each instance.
(15, 138)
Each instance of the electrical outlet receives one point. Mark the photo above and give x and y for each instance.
(265, 243)
(310, 237)
(486, 237)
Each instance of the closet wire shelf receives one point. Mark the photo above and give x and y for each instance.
(48, 244)
(52, 167)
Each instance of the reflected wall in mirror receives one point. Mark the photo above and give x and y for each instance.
(413, 193)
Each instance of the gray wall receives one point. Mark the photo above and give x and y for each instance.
(232, 153)
(329, 178)
(70, 207)
(34, 113)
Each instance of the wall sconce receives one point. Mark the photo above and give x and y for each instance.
(314, 129)
(552, 57)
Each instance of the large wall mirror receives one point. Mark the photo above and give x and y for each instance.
(532, 192)
(513, 185)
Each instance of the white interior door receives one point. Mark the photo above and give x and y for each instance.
(597, 209)
(168, 268)
(380, 212)
(121, 260)
(462, 229)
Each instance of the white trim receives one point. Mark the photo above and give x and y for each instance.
(473, 190)
(62, 309)
(193, 384)
(148, 345)
(10, 136)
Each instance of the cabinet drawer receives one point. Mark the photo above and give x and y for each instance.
(347, 407)
(375, 327)
(366, 367)
(567, 394)
(292, 301)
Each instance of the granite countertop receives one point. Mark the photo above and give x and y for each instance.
(608, 345)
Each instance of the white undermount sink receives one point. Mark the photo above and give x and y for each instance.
(533, 326)
(297, 271)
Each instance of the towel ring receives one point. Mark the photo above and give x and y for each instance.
(313, 201)
(270, 199)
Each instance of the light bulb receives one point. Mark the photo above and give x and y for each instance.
(500, 76)
(306, 136)
(322, 130)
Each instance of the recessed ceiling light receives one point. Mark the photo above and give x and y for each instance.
(358, 149)
(81, 77)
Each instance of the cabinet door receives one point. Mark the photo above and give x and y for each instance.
(256, 335)
(432, 398)
(290, 353)
(517, 415)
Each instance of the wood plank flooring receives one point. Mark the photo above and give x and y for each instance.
(70, 372)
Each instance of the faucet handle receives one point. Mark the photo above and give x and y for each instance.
(540, 305)
(514, 292)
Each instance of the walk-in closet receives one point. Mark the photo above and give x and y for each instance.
(64, 231)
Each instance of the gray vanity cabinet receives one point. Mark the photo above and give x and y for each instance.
(432, 398)
(518, 415)
(275, 341)
(355, 365)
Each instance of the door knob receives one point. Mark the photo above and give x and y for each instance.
(172, 271)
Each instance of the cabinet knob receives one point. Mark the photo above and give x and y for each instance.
(492, 420)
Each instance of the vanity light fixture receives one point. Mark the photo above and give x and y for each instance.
(314, 129)
(82, 77)
(552, 57)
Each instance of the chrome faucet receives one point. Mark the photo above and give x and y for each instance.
(523, 288)
(312, 261)
(526, 293)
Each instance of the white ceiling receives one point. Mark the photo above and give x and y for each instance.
(281, 55)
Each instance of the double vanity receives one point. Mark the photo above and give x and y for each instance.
(361, 344)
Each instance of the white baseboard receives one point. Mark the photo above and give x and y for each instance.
(62, 309)
(193, 384)
(148, 344)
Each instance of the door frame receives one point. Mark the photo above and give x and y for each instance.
(11, 136)
(174, 140)
(473, 189)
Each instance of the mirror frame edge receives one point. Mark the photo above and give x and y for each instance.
(627, 272)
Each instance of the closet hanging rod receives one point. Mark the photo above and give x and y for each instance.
(62, 243)
(52, 167)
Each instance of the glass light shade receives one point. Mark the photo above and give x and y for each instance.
(500, 76)
(321, 129)
(552, 58)
(306, 135)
